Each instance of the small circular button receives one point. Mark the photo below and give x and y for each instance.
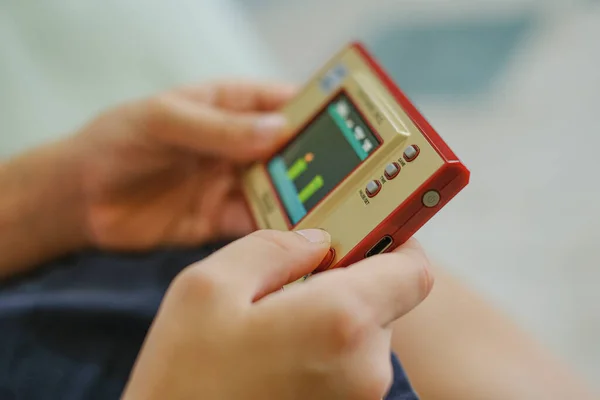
(411, 152)
(431, 198)
(373, 188)
(392, 170)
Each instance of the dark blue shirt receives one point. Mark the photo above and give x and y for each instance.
(72, 329)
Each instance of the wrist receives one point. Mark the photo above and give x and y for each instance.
(41, 208)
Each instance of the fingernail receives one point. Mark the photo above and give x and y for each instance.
(271, 125)
(315, 235)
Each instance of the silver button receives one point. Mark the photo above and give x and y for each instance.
(372, 188)
(431, 198)
(411, 153)
(392, 170)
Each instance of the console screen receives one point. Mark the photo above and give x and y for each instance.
(336, 142)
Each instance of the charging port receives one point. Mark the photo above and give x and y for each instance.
(381, 246)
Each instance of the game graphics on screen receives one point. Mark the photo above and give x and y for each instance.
(320, 157)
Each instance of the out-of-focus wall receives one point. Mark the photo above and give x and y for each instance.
(514, 87)
(63, 61)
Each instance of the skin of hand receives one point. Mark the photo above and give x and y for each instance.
(131, 180)
(160, 171)
(225, 331)
(165, 170)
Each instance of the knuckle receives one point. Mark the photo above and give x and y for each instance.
(158, 108)
(417, 254)
(347, 325)
(229, 130)
(196, 284)
(422, 261)
(420, 268)
(242, 131)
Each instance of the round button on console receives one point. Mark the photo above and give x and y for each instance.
(411, 152)
(392, 170)
(431, 198)
(373, 188)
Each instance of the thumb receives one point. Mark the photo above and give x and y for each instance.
(265, 261)
(238, 136)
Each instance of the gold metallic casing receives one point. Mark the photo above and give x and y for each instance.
(347, 213)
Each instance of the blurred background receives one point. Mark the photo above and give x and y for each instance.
(512, 85)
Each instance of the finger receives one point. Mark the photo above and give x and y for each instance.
(240, 95)
(386, 286)
(232, 222)
(204, 129)
(252, 96)
(236, 219)
(265, 261)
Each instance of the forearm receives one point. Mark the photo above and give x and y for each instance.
(456, 346)
(40, 208)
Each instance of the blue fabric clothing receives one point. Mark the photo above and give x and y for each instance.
(72, 329)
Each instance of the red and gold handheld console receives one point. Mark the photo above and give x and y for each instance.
(364, 164)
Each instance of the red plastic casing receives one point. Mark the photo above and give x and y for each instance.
(411, 215)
